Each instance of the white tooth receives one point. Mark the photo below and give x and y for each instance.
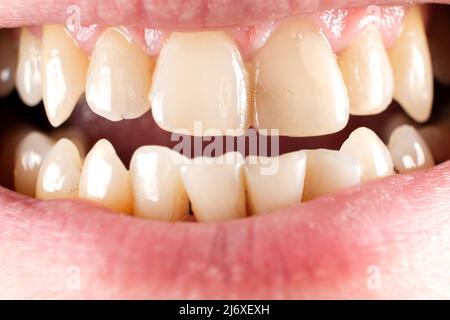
(119, 78)
(216, 187)
(28, 159)
(274, 183)
(370, 152)
(409, 151)
(8, 61)
(328, 171)
(64, 68)
(367, 73)
(105, 180)
(59, 175)
(299, 88)
(28, 75)
(437, 28)
(411, 63)
(76, 136)
(200, 77)
(157, 187)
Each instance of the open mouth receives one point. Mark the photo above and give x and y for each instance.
(203, 150)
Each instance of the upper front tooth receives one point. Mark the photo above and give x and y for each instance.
(200, 78)
(119, 78)
(59, 175)
(367, 73)
(64, 68)
(105, 180)
(216, 187)
(328, 171)
(8, 61)
(370, 152)
(28, 76)
(299, 88)
(274, 183)
(411, 63)
(157, 187)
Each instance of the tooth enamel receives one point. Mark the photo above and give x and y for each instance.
(439, 44)
(76, 136)
(367, 73)
(274, 183)
(299, 88)
(409, 150)
(119, 78)
(200, 77)
(411, 63)
(59, 175)
(8, 61)
(105, 180)
(216, 187)
(370, 152)
(157, 187)
(329, 171)
(28, 159)
(64, 68)
(28, 75)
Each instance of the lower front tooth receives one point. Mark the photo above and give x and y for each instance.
(274, 183)
(157, 187)
(329, 171)
(8, 60)
(370, 152)
(105, 180)
(216, 187)
(59, 175)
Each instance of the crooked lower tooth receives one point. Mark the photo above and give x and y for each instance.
(28, 76)
(370, 152)
(8, 60)
(59, 175)
(411, 63)
(367, 73)
(28, 160)
(409, 150)
(216, 187)
(274, 183)
(64, 68)
(329, 171)
(299, 88)
(200, 77)
(119, 78)
(105, 180)
(157, 187)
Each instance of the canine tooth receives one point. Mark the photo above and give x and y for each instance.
(370, 152)
(28, 159)
(105, 180)
(329, 171)
(64, 68)
(411, 63)
(409, 150)
(157, 187)
(367, 73)
(28, 75)
(216, 187)
(200, 77)
(439, 44)
(274, 183)
(119, 78)
(8, 61)
(59, 175)
(299, 88)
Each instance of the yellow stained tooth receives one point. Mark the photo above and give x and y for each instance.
(119, 78)
(59, 175)
(105, 180)
(64, 68)
(8, 61)
(367, 73)
(411, 64)
(370, 152)
(157, 187)
(28, 76)
(200, 78)
(299, 88)
(28, 160)
(409, 150)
